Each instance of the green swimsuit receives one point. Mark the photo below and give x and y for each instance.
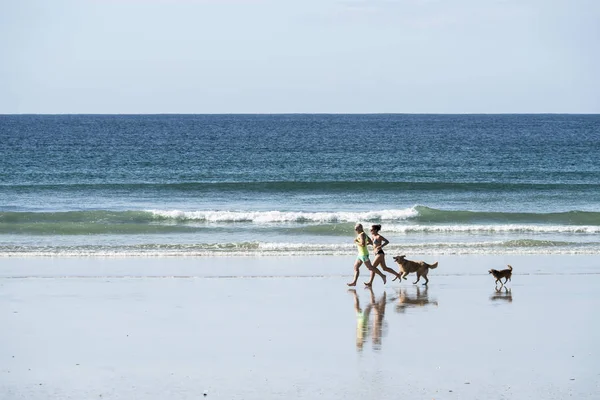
(363, 252)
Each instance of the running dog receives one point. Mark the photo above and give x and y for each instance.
(408, 266)
(505, 273)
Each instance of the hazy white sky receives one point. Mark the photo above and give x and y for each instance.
(299, 56)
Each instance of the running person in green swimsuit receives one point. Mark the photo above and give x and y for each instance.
(362, 241)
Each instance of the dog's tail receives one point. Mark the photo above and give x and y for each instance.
(433, 266)
(509, 267)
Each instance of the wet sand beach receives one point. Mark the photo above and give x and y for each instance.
(288, 327)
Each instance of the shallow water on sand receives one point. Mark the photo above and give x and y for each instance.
(256, 335)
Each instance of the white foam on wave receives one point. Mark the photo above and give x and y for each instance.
(508, 228)
(304, 249)
(266, 217)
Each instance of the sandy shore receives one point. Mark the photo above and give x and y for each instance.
(288, 327)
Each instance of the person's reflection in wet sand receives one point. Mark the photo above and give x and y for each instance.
(500, 294)
(378, 308)
(364, 327)
(407, 300)
(362, 321)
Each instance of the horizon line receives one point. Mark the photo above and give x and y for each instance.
(311, 113)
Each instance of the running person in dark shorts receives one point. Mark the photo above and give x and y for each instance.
(378, 243)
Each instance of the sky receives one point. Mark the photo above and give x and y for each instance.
(299, 56)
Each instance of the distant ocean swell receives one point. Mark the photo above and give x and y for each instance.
(319, 186)
(524, 246)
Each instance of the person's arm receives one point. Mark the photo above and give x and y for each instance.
(361, 239)
(384, 241)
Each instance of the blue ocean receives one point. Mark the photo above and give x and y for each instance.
(198, 185)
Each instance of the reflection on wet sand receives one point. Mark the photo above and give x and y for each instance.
(502, 293)
(374, 327)
(364, 326)
(408, 300)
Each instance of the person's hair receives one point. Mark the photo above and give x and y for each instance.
(376, 228)
(357, 226)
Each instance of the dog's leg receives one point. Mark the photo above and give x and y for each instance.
(418, 277)
(425, 277)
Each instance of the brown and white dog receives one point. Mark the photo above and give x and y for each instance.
(408, 266)
(505, 273)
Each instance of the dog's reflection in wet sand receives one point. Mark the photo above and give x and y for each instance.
(502, 293)
(409, 299)
(364, 326)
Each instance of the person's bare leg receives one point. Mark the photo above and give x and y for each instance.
(380, 260)
(376, 262)
(371, 278)
(375, 270)
(357, 265)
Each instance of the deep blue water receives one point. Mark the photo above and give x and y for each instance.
(296, 184)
